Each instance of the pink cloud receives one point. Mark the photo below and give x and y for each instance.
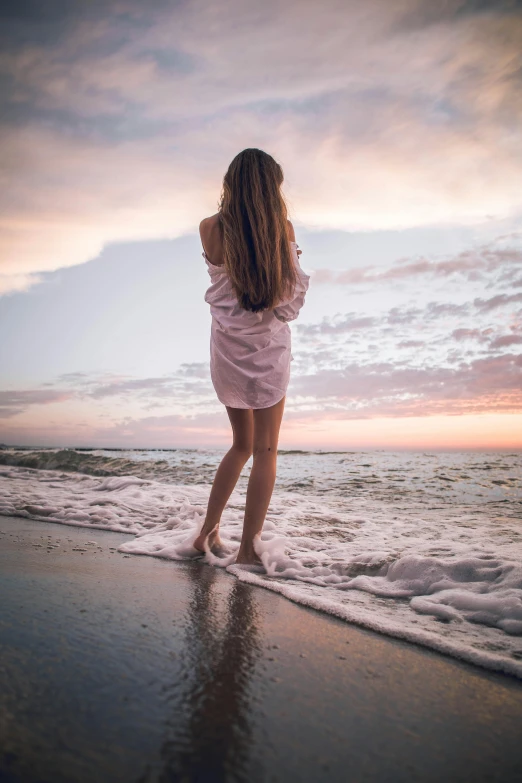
(490, 383)
(506, 340)
(472, 265)
(14, 402)
(482, 335)
(500, 300)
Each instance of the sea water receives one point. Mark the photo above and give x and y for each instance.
(426, 547)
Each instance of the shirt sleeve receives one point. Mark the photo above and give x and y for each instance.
(289, 309)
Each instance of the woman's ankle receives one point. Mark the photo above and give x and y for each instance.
(212, 532)
(247, 552)
(244, 560)
(202, 537)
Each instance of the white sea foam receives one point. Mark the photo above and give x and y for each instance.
(448, 577)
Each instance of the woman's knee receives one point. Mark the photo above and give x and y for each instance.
(243, 450)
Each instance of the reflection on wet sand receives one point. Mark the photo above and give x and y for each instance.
(211, 741)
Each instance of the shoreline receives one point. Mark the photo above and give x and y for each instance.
(290, 450)
(151, 669)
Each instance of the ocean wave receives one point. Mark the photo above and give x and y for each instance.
(403, 479)
(95, 464)
(450, 580)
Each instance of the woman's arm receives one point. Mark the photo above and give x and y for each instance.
(289, 310)
(291, 235)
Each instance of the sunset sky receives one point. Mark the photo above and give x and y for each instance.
(399, 128)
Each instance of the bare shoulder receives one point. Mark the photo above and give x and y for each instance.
(208, 223)
(211, 239)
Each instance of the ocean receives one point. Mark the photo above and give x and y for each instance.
(426, 547)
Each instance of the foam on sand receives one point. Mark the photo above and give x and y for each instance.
(449, 580)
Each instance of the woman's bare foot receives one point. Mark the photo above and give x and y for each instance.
(256, 561)
(248, 556)
(215, 544)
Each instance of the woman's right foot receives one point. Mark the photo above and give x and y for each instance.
(248, 559)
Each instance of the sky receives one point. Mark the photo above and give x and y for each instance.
(399, 129)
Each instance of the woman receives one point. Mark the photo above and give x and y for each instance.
(257, 286)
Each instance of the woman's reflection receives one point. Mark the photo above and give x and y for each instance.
(222, 646)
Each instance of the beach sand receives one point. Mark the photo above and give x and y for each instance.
(125, 668)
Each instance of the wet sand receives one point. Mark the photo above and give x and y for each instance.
(124, 668)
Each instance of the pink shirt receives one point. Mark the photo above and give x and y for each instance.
(250, 353)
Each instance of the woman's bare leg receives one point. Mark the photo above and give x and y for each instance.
(227, 474)
(267, 423)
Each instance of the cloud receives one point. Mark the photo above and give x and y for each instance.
(391, 320)
(191, 381)
(17, 401)
(471, 265)
(409, 385)
(443, 357)
(120, 192)
(349, 323)
(505, 341)
(166, 430)
(195, 370)
(410, 318)
(494, 302)
(382, 388)
(12, 283)
(435, 310)
(119, 123)
(411, 344)
(73, 377)
(481, 335)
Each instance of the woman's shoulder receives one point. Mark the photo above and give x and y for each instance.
(211, 239)
(208, 222)
(209, 227)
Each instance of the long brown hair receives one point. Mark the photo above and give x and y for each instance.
(254, 230)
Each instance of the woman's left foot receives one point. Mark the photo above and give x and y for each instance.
(215, 544)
